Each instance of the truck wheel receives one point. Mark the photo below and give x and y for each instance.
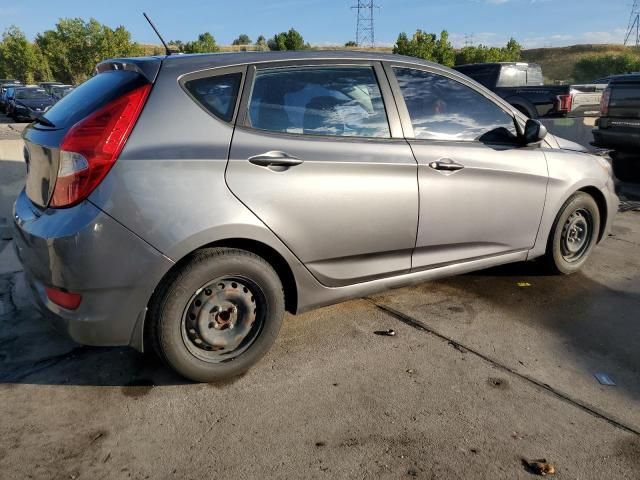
(218, 314)
(574, 234)
(625, 166)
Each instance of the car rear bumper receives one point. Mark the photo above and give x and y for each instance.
(622, 140)
(83, 250)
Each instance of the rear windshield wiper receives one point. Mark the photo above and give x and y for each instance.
(44, 122)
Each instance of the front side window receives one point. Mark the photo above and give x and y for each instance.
(444, 109)
(338, 101)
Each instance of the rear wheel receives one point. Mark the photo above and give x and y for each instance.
(218, 314)
(574, 234)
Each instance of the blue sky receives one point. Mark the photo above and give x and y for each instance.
(534, 23)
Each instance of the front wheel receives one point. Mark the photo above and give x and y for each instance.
(574, 234)
(218, 314)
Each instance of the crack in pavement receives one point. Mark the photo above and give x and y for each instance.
(418, 325)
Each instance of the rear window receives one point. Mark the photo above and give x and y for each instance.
(92, 95)
(217, 94)
(34, 94)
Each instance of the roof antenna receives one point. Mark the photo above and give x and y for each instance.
(166, 48)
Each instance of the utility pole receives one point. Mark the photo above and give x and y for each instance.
(468, 39)
(633, 30)
(365, 28)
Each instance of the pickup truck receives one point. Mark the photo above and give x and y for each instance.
(522, 85)
(618, 127)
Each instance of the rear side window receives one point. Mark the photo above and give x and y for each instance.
(217, 94)
(92, 95)
(444, 109)
(337, 101)
(512, 76)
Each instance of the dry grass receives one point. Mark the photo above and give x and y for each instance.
(557, 63)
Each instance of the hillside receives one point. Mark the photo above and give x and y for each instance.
(557, 62)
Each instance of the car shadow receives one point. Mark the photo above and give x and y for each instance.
(33, 352)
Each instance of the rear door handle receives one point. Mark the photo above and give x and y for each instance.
(446, 165)
(275, 159)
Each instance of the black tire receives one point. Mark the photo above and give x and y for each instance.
(568, 249)
(195, 291)
(626, 166)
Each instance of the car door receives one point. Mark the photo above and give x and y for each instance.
(318, 155)
(481, 192)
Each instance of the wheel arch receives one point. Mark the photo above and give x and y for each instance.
(265, 251)
(600, 200)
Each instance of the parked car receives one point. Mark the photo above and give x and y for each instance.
(9, 80)
(28, 103)
(59, 91)
(522, 85)
(7, 97)
(3, 94)
(618, 127)
(48, 85)
(185, 203)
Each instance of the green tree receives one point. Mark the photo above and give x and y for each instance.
(204, 44)
(483, 54)
(426, 46)
(590, 68)
(261, 43)
(75, 46)
(20, 58)
(243, 39)
(291, 40)
(351, 44)
(176, 45)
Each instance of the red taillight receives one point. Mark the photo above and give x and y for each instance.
(91, 147)
(67, 300)
(564, 103)
(604, 103)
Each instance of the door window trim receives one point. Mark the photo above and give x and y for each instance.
(391, 109)
(405, 118)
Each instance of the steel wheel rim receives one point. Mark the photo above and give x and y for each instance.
(577, 233)
(223, 318)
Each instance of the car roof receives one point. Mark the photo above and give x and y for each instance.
(625, 78)
(182, 63)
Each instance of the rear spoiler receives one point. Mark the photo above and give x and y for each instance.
(148, 67)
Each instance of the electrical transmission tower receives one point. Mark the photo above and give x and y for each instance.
(468, 39)
(365, 31)
(633, 30)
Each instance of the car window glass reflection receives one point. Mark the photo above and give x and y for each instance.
(344, 101)
(444, 109)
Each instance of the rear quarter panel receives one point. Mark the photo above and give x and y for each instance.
(168, 184)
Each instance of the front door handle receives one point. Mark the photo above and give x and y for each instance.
(275, 159)
(446, 165)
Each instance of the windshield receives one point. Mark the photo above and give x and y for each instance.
(31, 94)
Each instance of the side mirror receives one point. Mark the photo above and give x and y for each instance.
(534, 132)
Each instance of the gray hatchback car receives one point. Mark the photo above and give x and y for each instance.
(184, 203)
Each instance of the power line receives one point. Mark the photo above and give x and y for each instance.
(468, 39)
(365, 28)
(633, 30)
